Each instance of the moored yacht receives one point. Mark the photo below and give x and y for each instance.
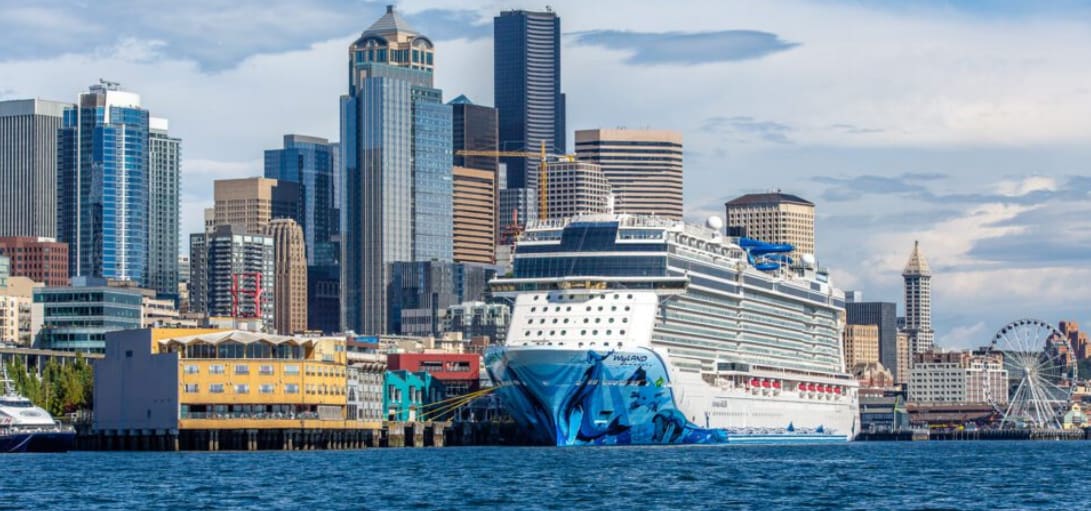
(25, 427)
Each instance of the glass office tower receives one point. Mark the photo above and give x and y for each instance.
(102, 183)
(396, 154)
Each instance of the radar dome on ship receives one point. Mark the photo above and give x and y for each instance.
(715, 222)
(809, 260)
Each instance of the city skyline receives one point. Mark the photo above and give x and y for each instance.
(973, 151)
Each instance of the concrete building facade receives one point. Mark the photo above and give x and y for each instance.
(164, 183)
(474, 215)
(883, 315)
(251, 203)
(290, 270)
(77, 318)
(576, 188)
(42, 260)
(28, 166)
(644, 168)
(918, 302)
(861, 345)
(773, 217)
(958, 377)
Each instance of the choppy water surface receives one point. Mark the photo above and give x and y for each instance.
(935, 475)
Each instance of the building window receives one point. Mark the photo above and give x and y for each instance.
(216, 369)
(291, 388)
(242, 388)
(242, 369)
(216, 388)
(190, 388)
(291, 369)
(192, 369)
(266, 388)
(265, 369)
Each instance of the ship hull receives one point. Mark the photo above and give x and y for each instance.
(37, 441)
(569, 397)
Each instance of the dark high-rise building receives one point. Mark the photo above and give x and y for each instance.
(475, 182)
(527, 88)
(28, 167)
(396, 161)
(474, 128)
(309, 162)
(232, 274)
(421, 292)
(885, 316)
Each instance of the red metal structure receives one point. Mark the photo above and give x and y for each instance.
(240, 292)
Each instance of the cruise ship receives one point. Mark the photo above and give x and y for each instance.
(28, 428)
(641, 330)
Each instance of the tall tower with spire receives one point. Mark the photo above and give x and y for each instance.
(918, 302)
(396, 175)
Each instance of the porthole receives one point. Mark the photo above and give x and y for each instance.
(539, 333)
(626, 307)
(588, 307)
(624, 320)
(622, 332)
(566, 321)
(583, 332)
(611, 320)
(527, 333)
(600, 308)
(532, 309)
(552, 332)
(568, 309)
(630, 297)
(616, 296)
(608, 332)
(613, 308)
(554, 321)
(585, 320)
(598, 320)
(594, 332)
(536, 297)
(557, 309)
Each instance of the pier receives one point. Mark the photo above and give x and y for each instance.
(390, 434)
(978, 434)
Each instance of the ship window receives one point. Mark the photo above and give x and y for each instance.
(588, 307)
(624, 320)
(585, 320)
(566, 320)
(611, 320)
(532, 309)
(626, 307)
(613, 308)
(568, 309)
(536, 297)
(600, 308)
(608, 332)
(630, 297)
(527, 333)
(552, 332)
(598, 320)
(616, 296)
(557, 309)
(539, 333)
(594, 332)
(564, 332)
(554, 321)
(622, 332)
(583, 332)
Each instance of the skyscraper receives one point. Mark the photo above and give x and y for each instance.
(164, 159)
(527, 86)
(396, 154)
(644, 168)
(918, 302)
(312, 163)
(475, 181)
(309, 162)
(529, 102)
(28, 167)
(773, 217)
(103, 185)
(290, 276)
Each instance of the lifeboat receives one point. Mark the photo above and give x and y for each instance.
(766, 384)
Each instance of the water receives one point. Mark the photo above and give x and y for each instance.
(871, 476)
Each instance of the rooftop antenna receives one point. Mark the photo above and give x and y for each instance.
(108, 84)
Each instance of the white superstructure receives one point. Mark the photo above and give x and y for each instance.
(755, 352)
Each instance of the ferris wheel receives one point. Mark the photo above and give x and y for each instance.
(1040, 374)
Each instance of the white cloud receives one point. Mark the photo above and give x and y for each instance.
(966, 336)
(1019, 187)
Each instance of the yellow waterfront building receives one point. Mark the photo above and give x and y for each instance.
(212, 379)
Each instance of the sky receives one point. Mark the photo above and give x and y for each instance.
(964, 125)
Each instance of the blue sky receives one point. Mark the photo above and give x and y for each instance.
(964, 125)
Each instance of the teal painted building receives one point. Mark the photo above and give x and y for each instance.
(405, 394)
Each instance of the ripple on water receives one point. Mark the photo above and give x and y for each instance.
(938, 475)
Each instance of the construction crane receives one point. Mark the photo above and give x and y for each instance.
(543, 167)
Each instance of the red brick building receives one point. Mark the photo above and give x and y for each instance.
(39, 259)
(458, 372)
